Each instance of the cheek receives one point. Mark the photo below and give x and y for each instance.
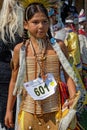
(32, 28)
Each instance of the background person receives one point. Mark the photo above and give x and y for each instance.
(7, 44)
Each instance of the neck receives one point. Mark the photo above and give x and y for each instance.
(36, 40)
(39, 44)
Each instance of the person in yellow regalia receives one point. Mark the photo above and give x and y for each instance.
(8, 39)
(72, 43)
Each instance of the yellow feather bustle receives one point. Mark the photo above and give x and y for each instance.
(46, 3)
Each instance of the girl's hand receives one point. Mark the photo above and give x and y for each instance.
(72, 102)
(9, 119)
(68, 103)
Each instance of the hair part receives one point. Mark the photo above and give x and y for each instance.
(34, 8)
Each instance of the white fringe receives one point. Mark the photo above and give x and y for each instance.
(21, 72)
(2, 128)
(65, 63)
(17, 110)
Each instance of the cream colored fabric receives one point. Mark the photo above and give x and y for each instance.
(49, 104)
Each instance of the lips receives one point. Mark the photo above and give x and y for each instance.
(40, 33)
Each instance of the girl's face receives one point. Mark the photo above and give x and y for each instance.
(38, 25)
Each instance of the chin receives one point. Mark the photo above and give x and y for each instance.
(42, 36)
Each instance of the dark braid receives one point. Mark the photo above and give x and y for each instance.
(49, 33)
(25, 36)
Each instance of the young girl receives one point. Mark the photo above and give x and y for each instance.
(39, 101)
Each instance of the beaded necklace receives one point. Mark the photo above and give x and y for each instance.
(40, 57)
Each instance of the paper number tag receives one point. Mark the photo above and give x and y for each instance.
(39, 90)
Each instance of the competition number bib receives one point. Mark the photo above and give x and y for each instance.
(39, 89)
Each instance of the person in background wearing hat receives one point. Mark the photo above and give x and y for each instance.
(83, 44)
(65, 10)
(56, 23)
(7, 43)
(72, 43)
(69, 35)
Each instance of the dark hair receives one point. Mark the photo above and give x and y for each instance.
(34, 8)
(30, 11)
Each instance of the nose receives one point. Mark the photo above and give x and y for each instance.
(41, 24)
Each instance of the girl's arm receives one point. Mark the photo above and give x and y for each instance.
(69, 81)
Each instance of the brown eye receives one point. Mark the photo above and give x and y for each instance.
(35, 22)
(45, 22)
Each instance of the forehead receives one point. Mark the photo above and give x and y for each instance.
(39, 15)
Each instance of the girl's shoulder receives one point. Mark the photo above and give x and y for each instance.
(17, 47)
(63, 47)
(61, 43)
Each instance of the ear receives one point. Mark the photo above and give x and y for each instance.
(26, 25)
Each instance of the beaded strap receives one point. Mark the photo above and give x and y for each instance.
(66, 65)
(22, 70)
